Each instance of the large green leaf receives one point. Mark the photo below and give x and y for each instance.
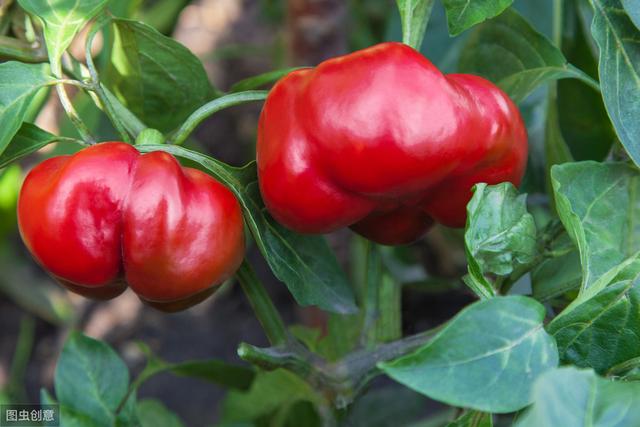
(414, 15)
(500, 235)
(602, 331)
(512, 54)
(463, 14)
(91, 379)
(486, 358)
(304, 263)
(159, 79)
(599, 205)
(30, 138)
(568, 397)
(619, 67)
(62, 21)
(18, 84)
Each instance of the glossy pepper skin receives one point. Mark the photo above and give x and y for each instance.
(381, 141)
(108, 216)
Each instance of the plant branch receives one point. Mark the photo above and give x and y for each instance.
(262, 305)
(97, 86)
(371, 301)
(340, 381)
(21, 50)
(82, 128)
(212, 107)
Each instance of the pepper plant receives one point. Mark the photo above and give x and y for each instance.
(553, 252)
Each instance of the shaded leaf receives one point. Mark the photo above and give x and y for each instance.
(512, 54)
(390, 406)
(30, 138)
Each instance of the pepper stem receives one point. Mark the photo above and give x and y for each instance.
(262, 305)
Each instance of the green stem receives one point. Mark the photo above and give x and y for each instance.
(623, 367)
(212, 107)
(21, 359)
(341, 381)
(97, 86)
(371, 303)
(83, 130)
(557, 23)
(389, 325)
(262, 305)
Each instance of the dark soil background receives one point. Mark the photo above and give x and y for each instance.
(235, 39)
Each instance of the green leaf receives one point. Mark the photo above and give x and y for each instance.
(598, 205)
(464, 14)
(152, 413)
(414, 15)
(473, 419)
(18, 84)
(486, 358)
(570, 397)
(619, 67)
(631, 6)
(62, 20)
(91, 379)
(260, 80)
(269, 391)
(602, 331)
(304, 263)
(500, 235)
(159, 79)
(512, 54)
(30, 138)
